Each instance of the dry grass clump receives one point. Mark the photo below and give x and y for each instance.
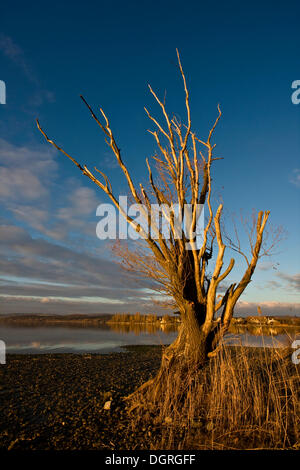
(245, 398)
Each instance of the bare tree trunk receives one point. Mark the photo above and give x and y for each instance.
(185, 356)
(193, 339)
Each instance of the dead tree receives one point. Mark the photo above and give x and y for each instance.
(180, 173)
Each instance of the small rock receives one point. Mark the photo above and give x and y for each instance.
(107, 405)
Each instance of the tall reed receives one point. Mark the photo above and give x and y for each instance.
(244, 398)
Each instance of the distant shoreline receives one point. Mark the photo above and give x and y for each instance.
(107, 319)
(28, 320)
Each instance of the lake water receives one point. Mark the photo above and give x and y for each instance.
(105, 339)
(57, 339)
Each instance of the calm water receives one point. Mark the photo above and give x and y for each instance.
(57, 339)
(48, 339)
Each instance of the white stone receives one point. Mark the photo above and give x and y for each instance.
(107, 405)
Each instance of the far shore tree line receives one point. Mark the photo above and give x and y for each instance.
(143, 318)
(138, 318)
(154, 318)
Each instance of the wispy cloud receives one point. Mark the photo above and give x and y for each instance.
(37, 273)
(27, 304)
(20, 171)
(56, 223)
(268, 308)
(267, 265)
(295, 178)
(81, 202)
(40, 275)
(291, 281)
(25, 257)
(16, 55)
(28, 187)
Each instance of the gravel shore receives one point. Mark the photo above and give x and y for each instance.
(56, 401)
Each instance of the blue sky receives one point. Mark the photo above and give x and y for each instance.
(243, 57)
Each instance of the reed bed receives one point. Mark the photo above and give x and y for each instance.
(244, 398)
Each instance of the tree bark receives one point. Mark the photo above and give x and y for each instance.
(181, 359)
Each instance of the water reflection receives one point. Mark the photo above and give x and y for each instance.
(138, 328)
(55, 339)
(261, 330)
(110, 337)
(250, 330)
